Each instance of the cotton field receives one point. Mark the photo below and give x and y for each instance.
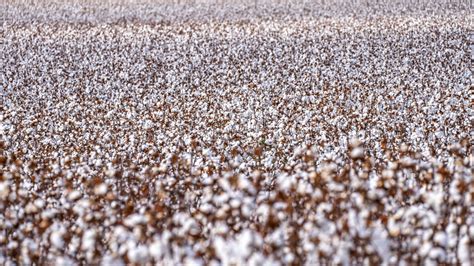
(248, 133)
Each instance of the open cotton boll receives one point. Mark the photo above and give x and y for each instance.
(57, 240)
(357, 153)
(138, 254)
(4, 190)
(74, 195)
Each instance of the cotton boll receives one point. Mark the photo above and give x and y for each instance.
(111, 260)
(438, 253)
(88, 240)
(381, 244)
(138, 254)
(156, 249)
(31, 208)
(244, 241)
(134, 219)
(425, 249)
(434, 199)
(388, 174)
(464, 251)
(100, 189)
(39, 203)
(74, 195)
(441, 239)
(4, 190)
(357, 153)
(57, 240)
(147, 124)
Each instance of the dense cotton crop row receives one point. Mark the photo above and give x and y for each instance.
(285, 137)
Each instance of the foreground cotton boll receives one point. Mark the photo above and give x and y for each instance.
(138, 254)
(100, 189)
(74, 195)
(357, 153)
(56, 239)
(4, 190)
(321, 132)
